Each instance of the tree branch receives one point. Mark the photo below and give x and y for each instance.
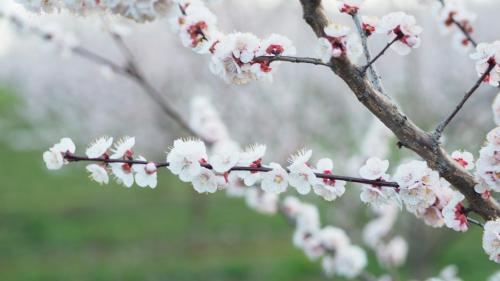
(407, 132)
(370, 63)
(75, 158)
(291, 59)
(440, 128)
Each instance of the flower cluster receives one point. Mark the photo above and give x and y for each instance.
(140, 10)
(338, 42)
(402, 31)
(109, 158)
(488, 165)
(488, 55)
(339, 256)
(235, 56)
(453, 12)
(430, 197)
(491, 239)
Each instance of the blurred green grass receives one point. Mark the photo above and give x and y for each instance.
(60, 226)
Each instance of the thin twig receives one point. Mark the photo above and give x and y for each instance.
(442, 126)
(379, 55)
(75, 158)
(292, 59)
(475, 222)
(375, 78)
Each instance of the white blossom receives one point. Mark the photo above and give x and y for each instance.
(99, 147)
(301, 175)
(145, 174)
(205, 181)
(276, 180)
(98, 173)
(491, 239)
(453, 213)
(403, 28)
(488, 54)
(54, 157)
(185, 157)
(333, 238)
(329, 189)
(225, 159)
(252, 157)
(393, 254)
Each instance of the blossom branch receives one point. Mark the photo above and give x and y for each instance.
(75, 158)
(407, 132)
(442, 126)
(305, 60)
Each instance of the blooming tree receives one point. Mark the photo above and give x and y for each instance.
(441, 189)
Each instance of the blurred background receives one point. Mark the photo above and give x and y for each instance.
(61, 226)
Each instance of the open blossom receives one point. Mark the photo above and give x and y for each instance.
(349, 6)
(488, 54)
(403, 28)
(375, 169)
(276, 180)
(232, 58)
(54, 157)
(145, 174)
(261, 201)
(198, 29)
(99, 147)
(454, 215)
(348, 262)
(225, 158)
(185, 158)
(329, 189)
(98, 173)
(123, 151)
(301, 175)
(338, 42)
(433, 215)
(491, 239)
(417, 183)
(252, 157)
(205, 181)
(464, 159)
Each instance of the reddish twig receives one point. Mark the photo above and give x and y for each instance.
(440, 128)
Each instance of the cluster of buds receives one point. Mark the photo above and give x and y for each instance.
(238, 58)
(452, 13)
